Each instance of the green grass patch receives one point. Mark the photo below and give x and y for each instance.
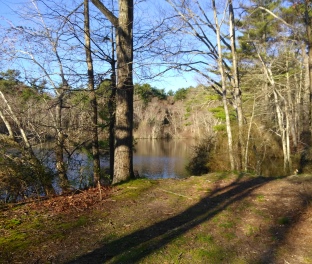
(260, 198)
(250, 230)
(133, 188)
(203, 238)
(265, 215)
(12, 223)
(213, 254)
(227, 224)
(285, 220)
(82, 220)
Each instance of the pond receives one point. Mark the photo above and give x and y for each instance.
(152, 158)
(160, 159)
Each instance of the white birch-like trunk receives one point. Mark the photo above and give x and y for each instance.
(224, 90)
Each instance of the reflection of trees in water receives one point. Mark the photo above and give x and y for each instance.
(161, 158)
(164, 147)
(153, 158)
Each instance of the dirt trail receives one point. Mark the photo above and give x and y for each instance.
(217, 218)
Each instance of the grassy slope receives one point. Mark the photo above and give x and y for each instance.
(216, 218)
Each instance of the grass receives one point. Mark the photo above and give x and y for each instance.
(31, 230)
(284, 220)
(260, 198)
(217, 218)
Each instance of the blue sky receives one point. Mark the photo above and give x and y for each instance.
(170, 81)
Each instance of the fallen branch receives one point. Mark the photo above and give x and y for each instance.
(190, 198)
(100, 190)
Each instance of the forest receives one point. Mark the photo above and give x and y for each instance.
(72, 82)
(81, 82)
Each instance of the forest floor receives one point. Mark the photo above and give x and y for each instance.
(215, 218)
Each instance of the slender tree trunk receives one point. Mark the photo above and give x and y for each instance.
(60, 145)
(61, 136)
(306, 98)
(93, 99)
(236, 87)
(248, 135)
(224, 90)
(299, 88)
(308, 22)
(7, 124)
(291, 109)
(305, 135)
(112, 107)
(282, 124)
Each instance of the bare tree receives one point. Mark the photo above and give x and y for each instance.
(40, 45)
(237, 92)
(25, 145)
(123, 165)
(206, 57)
(223, 84)
(93, 99)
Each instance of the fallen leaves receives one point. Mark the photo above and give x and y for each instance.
(76, 201)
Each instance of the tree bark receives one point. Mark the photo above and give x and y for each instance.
(123, 167)
(224, 90)
(111, 109)
(7, 124)
(308, 23)
(60, 146)
(237, 94)
(123, 158)
(92, 96)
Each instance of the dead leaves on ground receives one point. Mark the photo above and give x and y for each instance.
(73, 202)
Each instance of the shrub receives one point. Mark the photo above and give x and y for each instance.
(199, 163)
(19, 176)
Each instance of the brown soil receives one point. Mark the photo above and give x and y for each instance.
(243, 219)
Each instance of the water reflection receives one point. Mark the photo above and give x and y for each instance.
(158, 159)
(153, 159)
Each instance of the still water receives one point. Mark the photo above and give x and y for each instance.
(157, 159)
(153, 159)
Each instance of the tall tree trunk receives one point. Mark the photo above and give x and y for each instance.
(282, 124)
(305, 136)
(92, 95)
(61, 136)
(291, 113)
(60, 145)
(123, 165)
(112, 105)
(308, 23)
(111, 109)
(248, 135)
(236, 88)
(224, 90)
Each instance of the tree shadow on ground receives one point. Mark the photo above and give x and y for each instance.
(287, 217)
(133, 247)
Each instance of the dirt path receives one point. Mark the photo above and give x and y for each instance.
(217, 218)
